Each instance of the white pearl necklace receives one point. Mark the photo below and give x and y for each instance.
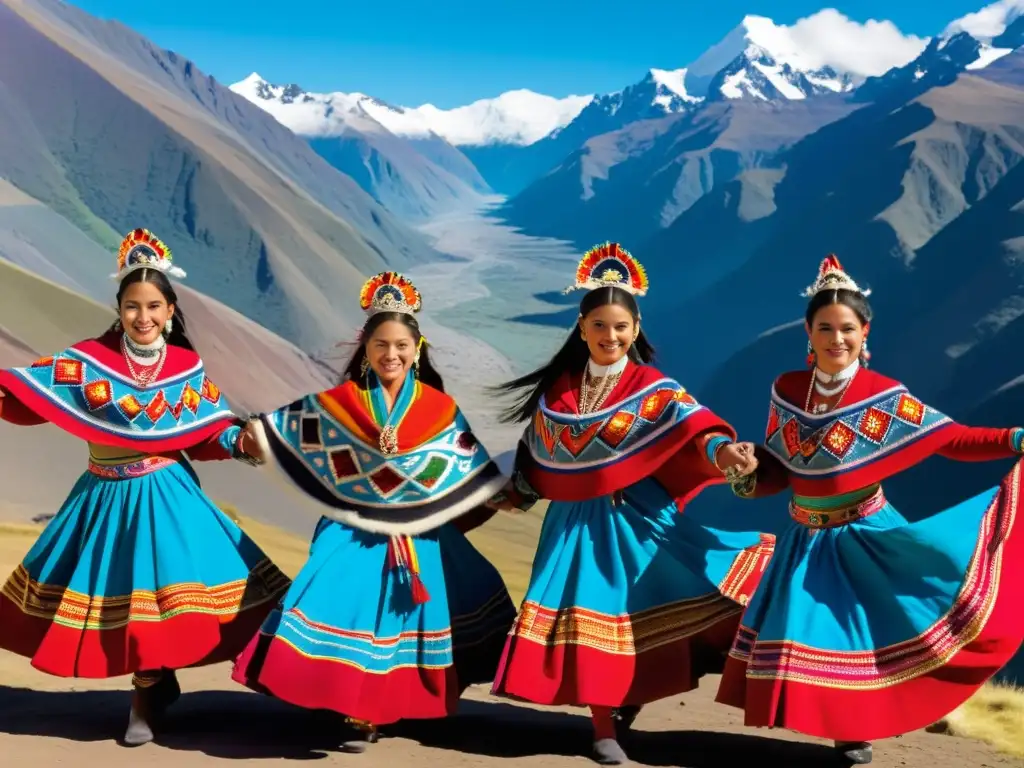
(843, 379)
(151, 372)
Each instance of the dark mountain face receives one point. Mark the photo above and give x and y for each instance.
(630, 184)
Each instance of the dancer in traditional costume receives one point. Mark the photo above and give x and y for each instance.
(866, 625)
(630, 600)
(138, 572)
(395, 613)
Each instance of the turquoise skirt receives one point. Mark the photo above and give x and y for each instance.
(349, 635)
(629, 601)
(137, 574)
(881, 626)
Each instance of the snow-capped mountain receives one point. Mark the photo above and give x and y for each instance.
(823, 53)
(515, 117)
(988, 23)
(413, 177)
(966, 45)
(756, 74)
(660, 92)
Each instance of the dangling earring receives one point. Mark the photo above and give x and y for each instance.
(364, 367)
(865, 354)
(811, 359)
(168, 327)
(117, 325)
(416, 366)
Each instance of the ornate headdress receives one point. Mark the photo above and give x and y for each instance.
(141, 249)
(832, 277)
(610, 265)
(389, 292)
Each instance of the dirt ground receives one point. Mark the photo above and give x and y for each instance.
(47, 721)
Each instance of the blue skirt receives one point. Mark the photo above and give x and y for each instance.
(628, 602)
(350, 637)
(897, 622)
(137, 574)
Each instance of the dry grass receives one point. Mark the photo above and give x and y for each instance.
(995, 715)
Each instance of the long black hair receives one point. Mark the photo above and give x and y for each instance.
(427, 373)
(179, 326)
(572, 356)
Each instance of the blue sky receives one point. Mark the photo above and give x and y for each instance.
(451, 52)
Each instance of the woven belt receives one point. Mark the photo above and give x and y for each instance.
(830, 518)
(130, 469)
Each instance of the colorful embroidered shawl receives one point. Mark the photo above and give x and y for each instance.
(328, 444)
(569, 457)
(88, 391)
(878, 435)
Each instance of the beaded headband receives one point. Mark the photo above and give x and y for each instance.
(389, 292)
(141, 249)
(832, 277)
(610, 265)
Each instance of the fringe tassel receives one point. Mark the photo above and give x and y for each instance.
(402, 555)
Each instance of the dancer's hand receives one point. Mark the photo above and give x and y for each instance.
(736, 459)
(501, 503)
(502, 500)
(249, 445)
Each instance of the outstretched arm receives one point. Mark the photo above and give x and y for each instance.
(233, 442)
(983, 443)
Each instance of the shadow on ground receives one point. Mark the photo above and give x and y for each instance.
(243, 726)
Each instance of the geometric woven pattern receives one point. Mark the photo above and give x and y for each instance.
(359, 474)
(559, 439)
(109, 401)
(848, 437)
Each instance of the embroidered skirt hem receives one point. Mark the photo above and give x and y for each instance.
(897, 688)
(137, 574)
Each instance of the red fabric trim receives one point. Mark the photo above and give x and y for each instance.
(569, 674)
(210, 449)
(380, 699)
(13, 411)
(106, 350)
(688, 475)
(876, 471)
(63, 420)
(564, 395)
(185, 640)
(846, 715)
(955, 441)
(430, 412)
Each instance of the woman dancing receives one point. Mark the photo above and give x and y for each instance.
(629, 600)
(867, 626)
(138, 573)
(395, 613)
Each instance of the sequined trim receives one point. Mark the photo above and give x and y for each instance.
(830, 518)
(131, 469)
(80, 611)
(627, 634)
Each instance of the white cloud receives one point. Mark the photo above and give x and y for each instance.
(989, 22)
(869, 48)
